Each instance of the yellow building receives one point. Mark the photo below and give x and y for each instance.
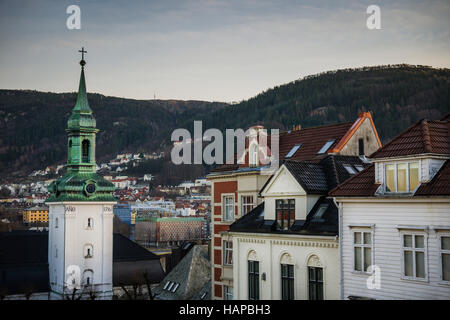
(35, 214)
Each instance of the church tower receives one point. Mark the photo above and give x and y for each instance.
(80, 245)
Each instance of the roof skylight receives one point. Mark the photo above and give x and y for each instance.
(166, 285)
(326, 146)
(293, 150)
(319, 213)
(349, 168)
(176, 287)
(359, 167)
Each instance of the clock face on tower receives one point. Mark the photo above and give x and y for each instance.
(90, 188)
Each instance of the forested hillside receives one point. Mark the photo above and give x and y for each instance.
(32, 124)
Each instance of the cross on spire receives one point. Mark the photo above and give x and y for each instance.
(82, 62)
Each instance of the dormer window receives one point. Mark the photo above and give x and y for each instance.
(285, 213)
(401, 177)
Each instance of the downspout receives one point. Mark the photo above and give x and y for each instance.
(341, 271)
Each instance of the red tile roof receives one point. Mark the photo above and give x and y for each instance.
(311, 140)
(360, 185)
(440, 185)
(363, 184)
(423, 137)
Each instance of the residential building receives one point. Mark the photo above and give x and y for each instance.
(35, 215)
(167, 231)
(235, 187)
(395, 219)
(287, 247)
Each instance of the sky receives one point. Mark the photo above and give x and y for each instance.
(209, 49)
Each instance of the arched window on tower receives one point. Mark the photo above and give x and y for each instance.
(70, 150)
(85, 149)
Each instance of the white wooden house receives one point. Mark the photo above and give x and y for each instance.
(395, 219)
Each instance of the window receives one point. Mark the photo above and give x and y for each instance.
(85, 150)
(445, 257)
(175, 287)
(401, 177)
(227, 252)
(326, 146)
(247, 204)
(359, 167)
(362, 250)
(285, 213)
(88, 251)
(228, 208)
(349, 168)
(414, 256)
(170, 286)
(228, 292)
(318, 215)
(90, 223)
(253, 280)
(293, 150)
(56, 223)
(287, 282)
(166, 285)
(315, 283)
(361, 147)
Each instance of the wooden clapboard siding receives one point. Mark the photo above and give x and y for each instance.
(386, 216)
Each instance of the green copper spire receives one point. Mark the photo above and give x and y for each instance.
(81, 116)
(81, 183)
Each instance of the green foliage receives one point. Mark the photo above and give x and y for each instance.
(32, 124)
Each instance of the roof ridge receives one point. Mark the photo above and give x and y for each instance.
(339, 186)
(316, 127)
(395, 138)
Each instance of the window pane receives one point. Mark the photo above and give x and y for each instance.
(445, 243)
(446, 267)
(420, 264)
(291, 271)
(401, 177)
(357, 237)
(358, 259)
(413, 175)
(367, 258)
(312, 274)
(390, 178)
(319, 274)
(419, 242)
(407, 240)
(367, 238)
(408, 263)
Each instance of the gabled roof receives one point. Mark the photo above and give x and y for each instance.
(321, 177)
(312, 140)
(425, 136)
(188, 278)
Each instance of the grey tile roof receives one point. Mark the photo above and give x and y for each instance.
(190, 275)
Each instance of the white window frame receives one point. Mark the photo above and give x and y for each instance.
(441, 252)
(224, 207)
(361, 245)
(226, 293)
(407, 177)
(226, 248)
(251, 205)
(414, 233)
